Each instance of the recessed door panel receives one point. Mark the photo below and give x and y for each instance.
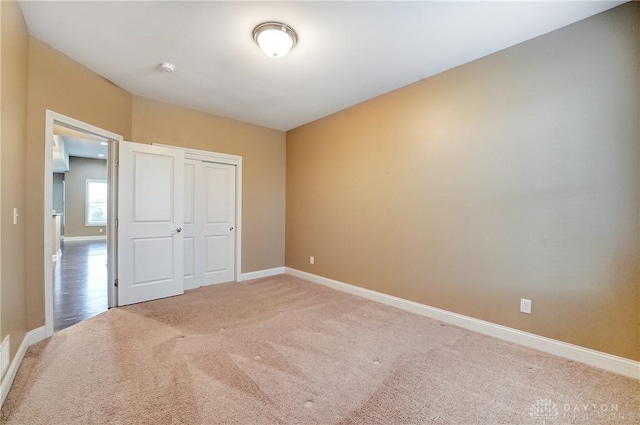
(189, 192)
(152, 260)
(189, 258)
(192, 223)
(216, 253)
(153, 182)
(217, 189)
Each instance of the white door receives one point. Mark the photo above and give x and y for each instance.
(192, 220)
(219, 220)
(150, 213)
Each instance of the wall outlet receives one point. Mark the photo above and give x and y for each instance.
(525, 305)
(312, 260)
(15, 216)
(101, 230)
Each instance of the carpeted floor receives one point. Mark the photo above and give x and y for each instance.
(284, 351)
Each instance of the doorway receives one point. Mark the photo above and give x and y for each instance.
(79, 200)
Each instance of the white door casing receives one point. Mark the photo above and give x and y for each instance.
(219, 202)
(150, 222)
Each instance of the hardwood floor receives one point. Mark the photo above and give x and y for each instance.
(79, 282)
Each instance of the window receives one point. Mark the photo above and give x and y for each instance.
(96, 203)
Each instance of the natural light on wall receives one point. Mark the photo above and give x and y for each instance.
(96, 203)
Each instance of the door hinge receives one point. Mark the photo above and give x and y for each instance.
(115, 283)
(116, 222)
(117, 162)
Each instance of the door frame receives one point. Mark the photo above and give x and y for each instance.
(222, 158)
(52, 118)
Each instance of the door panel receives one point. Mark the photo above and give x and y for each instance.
(219, 222)
(150, 221)
(192, 214)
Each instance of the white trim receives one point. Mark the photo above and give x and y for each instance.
(85, 238)
(588, 356)
(52, 118)
(55, 256)
(222, 158)
(4, 354)
(261, 273)
(32, 337)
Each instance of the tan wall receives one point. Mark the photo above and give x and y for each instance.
(62, 85)
(513, 176)
(263, 162)
(81, 169)
(15, 47)
(1, 210)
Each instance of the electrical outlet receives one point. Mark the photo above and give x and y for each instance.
(525, 305)
(312, 260)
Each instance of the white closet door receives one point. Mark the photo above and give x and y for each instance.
(192, 223)
(219, 202)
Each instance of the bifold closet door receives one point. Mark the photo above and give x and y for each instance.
(218, 222)
(192, 223)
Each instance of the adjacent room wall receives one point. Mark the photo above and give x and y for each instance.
(515, 176)
(60, 84)
(263, 162)
(58, 193)
(81, 169)
(15, 46)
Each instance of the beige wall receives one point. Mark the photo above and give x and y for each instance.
(62, 85)
(15, 45)
(1, 211)
(263, 162)
(513, 176)
(81, 169)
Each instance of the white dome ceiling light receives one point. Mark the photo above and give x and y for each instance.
(275, 39)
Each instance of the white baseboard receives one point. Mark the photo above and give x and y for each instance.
(32, 337)
(84, 238)
(588, 356)
(4, 354)
(56, 256)
(261, 273)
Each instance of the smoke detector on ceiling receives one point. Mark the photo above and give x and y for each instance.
(167, 67)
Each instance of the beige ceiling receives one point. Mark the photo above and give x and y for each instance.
(347, 51)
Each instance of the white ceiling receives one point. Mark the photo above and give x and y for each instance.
(75, 143)
(347, 52)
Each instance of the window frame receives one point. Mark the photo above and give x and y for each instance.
(87, 222)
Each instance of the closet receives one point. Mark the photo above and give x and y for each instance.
(179, 220)
(209, 222)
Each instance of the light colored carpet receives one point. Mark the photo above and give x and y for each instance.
(284, 351)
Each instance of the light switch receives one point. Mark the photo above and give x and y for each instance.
(15, 216)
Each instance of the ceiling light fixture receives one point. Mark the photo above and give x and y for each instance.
(275, 39)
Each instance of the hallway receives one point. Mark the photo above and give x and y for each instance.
(79, 282)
